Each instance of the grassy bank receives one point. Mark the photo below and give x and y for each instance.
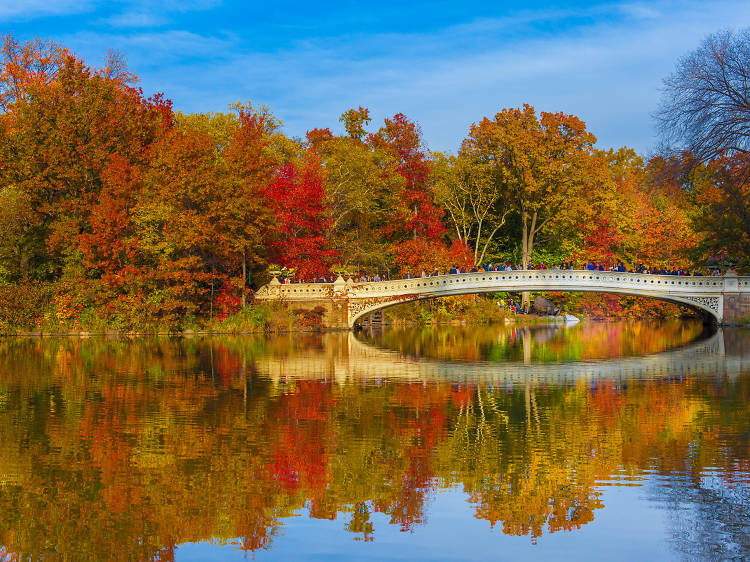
(37, 311)
(255, 318)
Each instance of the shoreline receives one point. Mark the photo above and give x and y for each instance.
(531, 321)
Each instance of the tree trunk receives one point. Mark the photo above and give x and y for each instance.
(527, 242)
(524, 241)
(414, 230)
(244, 276)
(476, 243)
(211, 305)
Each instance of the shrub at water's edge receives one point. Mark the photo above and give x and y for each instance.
(37, 308)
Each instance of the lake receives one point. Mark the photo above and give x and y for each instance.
(625, 440)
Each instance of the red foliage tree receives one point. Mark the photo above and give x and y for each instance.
(419, 216)
(601, 240)
(317, 137)
(226, 302)
(419, 255)
(296, 197)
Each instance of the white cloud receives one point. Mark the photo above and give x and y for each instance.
(147, 13)
(135, 19)
(136, 13)
(641, 11)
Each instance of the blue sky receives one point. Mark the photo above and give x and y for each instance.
(444, 64)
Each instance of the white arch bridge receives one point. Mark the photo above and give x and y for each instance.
(721, 299)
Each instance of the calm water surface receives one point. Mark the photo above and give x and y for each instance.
(624, 440)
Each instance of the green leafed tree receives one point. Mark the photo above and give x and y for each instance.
(475, 203)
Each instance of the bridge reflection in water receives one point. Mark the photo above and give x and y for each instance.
(356, 360)
(253, 443)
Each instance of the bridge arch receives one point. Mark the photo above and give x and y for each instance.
(705, 307)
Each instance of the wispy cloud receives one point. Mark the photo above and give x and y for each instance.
(147, 13)
(129, 13)
(607, 71)
(155, 51)
(640, 11)
(136, 19)
(11, 10)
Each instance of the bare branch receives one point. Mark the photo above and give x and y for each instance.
(706, 103)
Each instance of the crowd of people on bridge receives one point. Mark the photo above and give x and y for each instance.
(506, 266)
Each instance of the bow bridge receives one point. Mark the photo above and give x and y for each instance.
(723, 300)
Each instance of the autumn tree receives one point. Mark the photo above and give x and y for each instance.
(604, 212)
(418, 215)
(360, 196)
(416, 223)
(705, 111)
(723, 210)
(242, 208)
(475, 203)
(415, 256)
(537, 162)
(663, 232)
(220, 127)
(296, 197)
(355, 121)
(178, 225)
(110, 248)
(58, 138)
(630, 212)
(23, 65)
(17, 218)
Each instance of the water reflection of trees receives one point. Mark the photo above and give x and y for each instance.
(585, 341)
(137, 446)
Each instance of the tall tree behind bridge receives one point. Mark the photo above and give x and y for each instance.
(706, 112)
(476, 205)
(537, 162)
(360, 193)
(706, 103)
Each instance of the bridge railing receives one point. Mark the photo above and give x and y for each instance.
(513, 280)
